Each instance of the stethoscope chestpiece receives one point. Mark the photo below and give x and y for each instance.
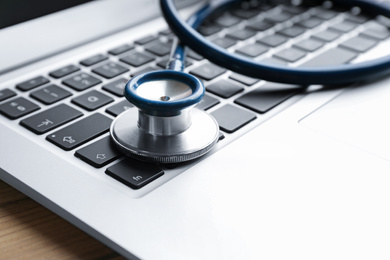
(166, 128)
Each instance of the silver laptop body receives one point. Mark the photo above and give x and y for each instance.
(308, 179)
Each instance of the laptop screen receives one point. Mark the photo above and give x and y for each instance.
(31, 32)
(18, 11)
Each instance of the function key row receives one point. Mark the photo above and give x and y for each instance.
(32, 83)
(64, 71)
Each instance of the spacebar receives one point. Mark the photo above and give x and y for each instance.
(331, 57)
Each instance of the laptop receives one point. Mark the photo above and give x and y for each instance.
(298, 173)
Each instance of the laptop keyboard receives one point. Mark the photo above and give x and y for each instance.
(62, 104)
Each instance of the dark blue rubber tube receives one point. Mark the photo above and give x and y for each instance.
(162, 108)
(324, 75)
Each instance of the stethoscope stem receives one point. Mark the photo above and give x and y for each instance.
(177, 57)
(179, 50)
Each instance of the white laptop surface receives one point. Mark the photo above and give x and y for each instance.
(307, 178)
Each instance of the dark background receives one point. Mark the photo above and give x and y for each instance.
(16, 11)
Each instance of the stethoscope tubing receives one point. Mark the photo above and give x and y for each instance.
(323, 75)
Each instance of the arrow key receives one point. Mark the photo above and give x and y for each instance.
(99, 153)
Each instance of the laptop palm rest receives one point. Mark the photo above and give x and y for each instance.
(359, 116)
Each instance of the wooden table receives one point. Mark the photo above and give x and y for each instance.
(30, 231)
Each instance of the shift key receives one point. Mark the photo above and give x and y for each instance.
(80, 132)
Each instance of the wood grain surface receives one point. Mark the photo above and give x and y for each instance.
(30, 231)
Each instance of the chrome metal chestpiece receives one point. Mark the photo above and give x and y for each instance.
(166, 128)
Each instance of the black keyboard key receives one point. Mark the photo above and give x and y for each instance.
(344, 26)
(290, 54)
(208, 71)
(227, 20)
(146, 39)
(225, 42)
(99, 153)
(133, 173)
(50, 94)
(163, 63)
(119, 108)
(252, 50)
(62, 72)
(137, 59)
(249, 81)
(224, 88)
(279, 17)
(18, 107)
(331, 57)
(51, 118)
(159, 49)
(93, 60)
(261, 25)
(110, 70)
(245, 13)
(207, 102)
(231, 118)
(81, 81)
(311, 22)
(92, 100)
(295, 9)
(209, 29)
(325, 14)
(144, 70)
(241, 34)
(309, 45)
(194, 55)
(327, 36)
(360, 19)
(376, 33)
(262, 6)
(6, 94)
(292, 31)
(166, 32)
(121, 49)
(266, 97)
(359, 44)
(32, 83)
(80, 132)
(273, 40)
(116, 87)
(272, 60)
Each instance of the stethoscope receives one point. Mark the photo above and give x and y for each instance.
(167, 128)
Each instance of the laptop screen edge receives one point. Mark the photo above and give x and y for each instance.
(36, 39)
